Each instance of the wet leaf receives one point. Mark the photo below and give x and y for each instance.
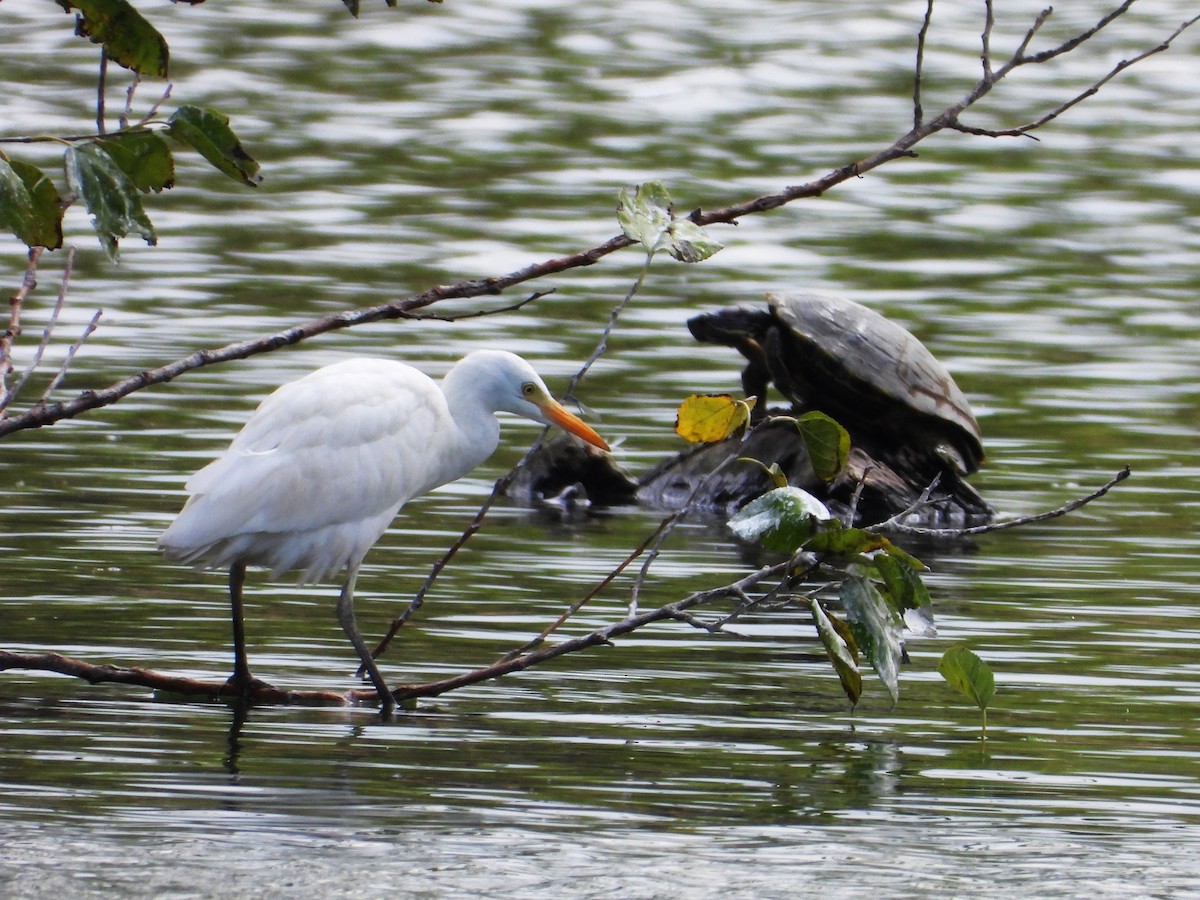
(843, 655)
(828, 444)
(109, 196)
(778, 479)
(781, 519)
(208, 132)
(144, 157)
(646, 216)
(707, 418)
(876, 628)
(902, 582)
(690, 242)
(968, 674)
(128, 39)
(30, 206)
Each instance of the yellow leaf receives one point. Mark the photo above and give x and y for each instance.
(706, 418)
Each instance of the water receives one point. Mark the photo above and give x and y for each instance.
(432, 143)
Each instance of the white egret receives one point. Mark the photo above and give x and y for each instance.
(324, 464)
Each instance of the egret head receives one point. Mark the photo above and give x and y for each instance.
(507, 383)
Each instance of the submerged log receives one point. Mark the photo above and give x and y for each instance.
(910, 426)
(564, 473)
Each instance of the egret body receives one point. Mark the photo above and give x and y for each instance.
(323, 465)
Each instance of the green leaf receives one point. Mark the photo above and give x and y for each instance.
(707, 418)
(903, 584)
(778, 478)
(876, 628)
(30, 206)
(109, 196)
(781, 519)
(646, 216)
(690, 243)
(969, 675)
(828, 444)
(836, 539)
(128, 39)
(841, 653)
(208, 132)
(144, 157)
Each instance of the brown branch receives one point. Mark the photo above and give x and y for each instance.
(265, 694)
(919, 68)
(94, 399)
(477, 313)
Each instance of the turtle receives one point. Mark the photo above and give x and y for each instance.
(884, 386)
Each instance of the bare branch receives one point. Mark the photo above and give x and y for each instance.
(894, 526)
(919, 69)
(1069, 45)
(477, 313)
(153, 111)
(95, 674)
(62, 371)
(101, 83)
(602, 344)
(1083, 95)
(1031, 34)
(16, 302)
(127, 113)
(47, 331)
(989, 22)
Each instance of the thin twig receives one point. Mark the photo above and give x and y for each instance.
(477, 313)
(579, 604)
(153, 111)
(123, 119)
(852, 511)
(49, 329)
(1031, 34)
(602, 344)
(1069, 45)
(1023, 130)
(62, 370)
(101, 83)
(894, 526)
(470, 531)
(16, 303)
(989, 22)
(919, 68)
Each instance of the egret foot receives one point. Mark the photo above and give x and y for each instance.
(246, 686)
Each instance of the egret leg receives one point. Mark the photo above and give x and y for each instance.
(241, 665)
(345, 611)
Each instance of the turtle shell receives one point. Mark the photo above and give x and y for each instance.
(848, 360)
(831, 354)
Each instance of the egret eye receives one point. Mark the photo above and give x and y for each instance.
(528, 389)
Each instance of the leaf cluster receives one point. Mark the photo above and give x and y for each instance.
(111, 170)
